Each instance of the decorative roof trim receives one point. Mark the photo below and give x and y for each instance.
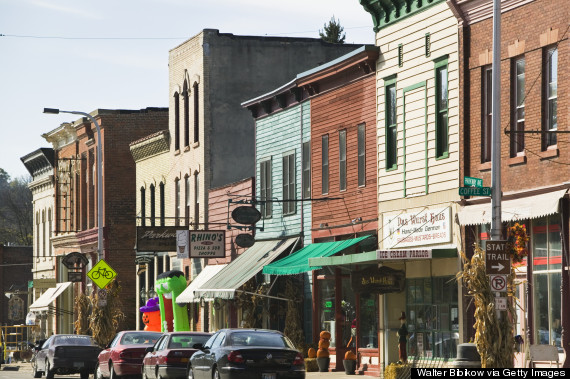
(151, 145)
(387, 12)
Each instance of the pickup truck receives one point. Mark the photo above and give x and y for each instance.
(66, 354)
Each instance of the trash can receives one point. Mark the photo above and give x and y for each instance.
(467, 356)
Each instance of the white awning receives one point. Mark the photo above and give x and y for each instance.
(524, 208)
(187, 296)
(44, 301)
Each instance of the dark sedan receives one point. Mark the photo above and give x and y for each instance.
(247, 353)
(66, 354)
(124, 355)
(169, 357)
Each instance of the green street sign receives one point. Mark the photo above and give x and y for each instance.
(101, 274)
(474, 191)
(472, 182)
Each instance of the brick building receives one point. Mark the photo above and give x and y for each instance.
(535, 166)
(75, 216)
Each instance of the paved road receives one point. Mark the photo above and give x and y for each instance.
(23, 370)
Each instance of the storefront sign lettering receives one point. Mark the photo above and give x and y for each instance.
(156, 238)
(207, 244)
(378, 280)
(383, 255)
(431, 226)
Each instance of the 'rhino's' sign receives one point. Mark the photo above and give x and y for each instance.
(207, 243)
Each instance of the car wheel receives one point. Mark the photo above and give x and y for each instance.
(190, 373)
(49, 372)
(216, 373)
(112, 374)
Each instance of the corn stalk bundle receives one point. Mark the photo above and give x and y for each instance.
(293, 319)
(104, 320)
(493, 335)
(82, 310)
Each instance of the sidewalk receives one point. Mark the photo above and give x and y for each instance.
(334, 375)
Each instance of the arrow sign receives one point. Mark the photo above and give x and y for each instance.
(499, 267)
(497, 259)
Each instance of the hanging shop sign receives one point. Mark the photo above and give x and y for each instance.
(426, 227)
(182, 244)
(378, 280)
(207, 243)
(156, 238)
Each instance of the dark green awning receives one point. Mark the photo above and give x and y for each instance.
(298, 262)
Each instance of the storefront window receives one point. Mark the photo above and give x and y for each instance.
(327, 308)
(433, 320)
(348, 306)
(547, 263)
(368, 320)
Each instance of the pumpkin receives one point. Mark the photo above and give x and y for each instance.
(324, 344)
(323, 353)
(312, 353)
(350, 356)
(325, 335)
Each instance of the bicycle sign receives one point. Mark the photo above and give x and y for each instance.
(101, 274)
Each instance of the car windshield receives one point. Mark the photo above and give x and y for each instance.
(73, 340)
(186, 340)
(260, 339)
(139, 338)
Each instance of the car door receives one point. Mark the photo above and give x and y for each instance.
(106, 354)
(148, 359)
(200, 369)
(157, 353)
(210, 354)
(41, 355)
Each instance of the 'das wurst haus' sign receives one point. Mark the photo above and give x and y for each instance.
(378, 280)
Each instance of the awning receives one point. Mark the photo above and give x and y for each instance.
(44, 301)
(523, 208)
(187, 296)
(298, 262)
(225, 283)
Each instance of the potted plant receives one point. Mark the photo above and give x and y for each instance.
(349, 363)
(311, 361)
(323, 357)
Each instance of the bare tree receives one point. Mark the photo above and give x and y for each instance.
(16, 211)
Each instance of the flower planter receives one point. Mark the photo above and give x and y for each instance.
(323, 363)
(349, 366)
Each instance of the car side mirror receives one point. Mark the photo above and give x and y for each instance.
(198, 346)
(149, 349)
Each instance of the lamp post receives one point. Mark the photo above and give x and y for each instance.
(99, 176)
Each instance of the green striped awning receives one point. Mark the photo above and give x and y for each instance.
(298, 262)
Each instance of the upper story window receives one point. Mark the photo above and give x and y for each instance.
(185, 95)
(265, 188)
(152, 205)
(187, 200)
(196, 200)
(487, 116)
(306, 170)
(143, 206)
(289, 207)
(196, 112)
(176, 122)
(177, 201)
(325, 164)
(342, 159)
(361, 155)
(162, 204)
(391, 126)
(550, 93)
(517, 106)
(441, 105)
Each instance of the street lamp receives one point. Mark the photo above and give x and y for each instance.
(99, 176)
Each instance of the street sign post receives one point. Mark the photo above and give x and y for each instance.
(501, 303)
(498, 283)
(497, 259)
(101, 274)
(472, 182)
(474, 191)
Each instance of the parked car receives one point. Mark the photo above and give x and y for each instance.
(247, 353)
(124, 355)
(169, 356)
(65, 354)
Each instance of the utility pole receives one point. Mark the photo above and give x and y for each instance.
(496, 193)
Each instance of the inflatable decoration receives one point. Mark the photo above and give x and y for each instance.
(151, 315)
(169, 285)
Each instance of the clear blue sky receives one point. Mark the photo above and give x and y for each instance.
(83, 55)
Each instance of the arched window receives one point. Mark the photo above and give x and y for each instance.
(143, 207)
(49, 231)
(152, 206)
(196, 201)
(44, 246)
(177, 201)
(176, 122)
(161, 189)
(196, 112)
(187, 199)
(38, 234)
(186, 115)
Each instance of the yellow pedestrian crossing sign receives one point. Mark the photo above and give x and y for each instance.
(101, 274)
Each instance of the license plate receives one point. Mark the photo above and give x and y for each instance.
(268, 376)
(78, 364)
(183, 359)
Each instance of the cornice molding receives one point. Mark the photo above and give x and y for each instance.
(475, 11)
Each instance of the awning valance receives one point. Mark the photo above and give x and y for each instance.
(44, 301)
(187, 296)
(298, 262)
(225, 283)
(523, 208)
